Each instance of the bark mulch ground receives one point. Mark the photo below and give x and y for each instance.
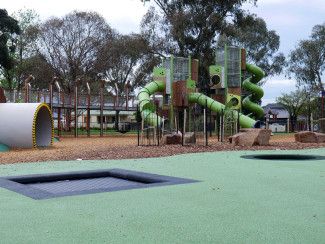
(124, 147)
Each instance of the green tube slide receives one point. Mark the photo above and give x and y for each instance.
(203, 100)
(250, 102)
(146, 108)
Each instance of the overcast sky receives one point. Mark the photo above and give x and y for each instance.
(291, 19)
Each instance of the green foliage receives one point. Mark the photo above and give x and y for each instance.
(307, 62)
(8, 29)
(294, 103)
(192, 27)
(28, 21)
(126, 62)
(71, 44)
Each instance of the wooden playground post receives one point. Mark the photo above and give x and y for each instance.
(102, 107)
(27, 88)
(38, 96)
(76, 108)
(51, 92)
(26, 92)
(88, 110)
(59, 107)
(63, 101)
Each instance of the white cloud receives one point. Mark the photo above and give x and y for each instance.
(124, 15)
(310, 3)
(266, 101)
(279, 83)
(274, 87)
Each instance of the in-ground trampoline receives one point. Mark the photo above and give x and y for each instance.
(294, 157)
(43, 186)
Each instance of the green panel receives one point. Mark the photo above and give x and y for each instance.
(191, 84)
(215, 70)
(157, 71)
(230, 101)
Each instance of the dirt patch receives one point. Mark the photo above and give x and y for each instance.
(123, 147)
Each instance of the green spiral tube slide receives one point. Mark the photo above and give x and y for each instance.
(250, 102)
(213, 105)
(146, 108)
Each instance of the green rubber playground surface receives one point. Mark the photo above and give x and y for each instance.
(237, 201)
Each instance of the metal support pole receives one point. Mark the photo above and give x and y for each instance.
(138, 125)
(218, 126)
(158, 125)
(238, 121)
(206, 123)
(222, 126)
(184, 127)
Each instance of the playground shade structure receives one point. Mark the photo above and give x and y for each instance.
(26, 125)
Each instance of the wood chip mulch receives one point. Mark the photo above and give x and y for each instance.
(126, 148)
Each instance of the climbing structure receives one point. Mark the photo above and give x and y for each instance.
(176, 81)
(227, 80)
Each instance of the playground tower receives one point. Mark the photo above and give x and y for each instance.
(176, 81)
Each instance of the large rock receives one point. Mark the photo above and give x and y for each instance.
(309, 137)
(320, 137)
(251, 137)
(173, 138)
(190, 138)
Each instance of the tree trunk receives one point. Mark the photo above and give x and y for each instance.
(293, 122)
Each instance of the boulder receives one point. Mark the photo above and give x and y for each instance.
(309, 137)
(190, 138)
(320, 137)
(173, 138)
(251, 137)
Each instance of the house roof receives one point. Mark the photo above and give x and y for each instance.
(276, 109)
(97, 112)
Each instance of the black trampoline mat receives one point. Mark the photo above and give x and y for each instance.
(44, 186)
(57, 187)
(286, 157)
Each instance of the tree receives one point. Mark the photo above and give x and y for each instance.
(192, 28)
(294, 103)
(126, 62)
(8, 30)
(71, 45)
(28, 21)
(307, 62)
(42, 71)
